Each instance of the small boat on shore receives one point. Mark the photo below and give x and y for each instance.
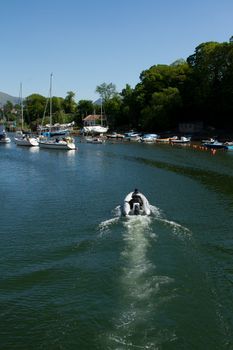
(135, 203)
(211, 140)
(163, 140)
(215, 145)
(132, 136)
(182, 140)
(229, 145)
(166, 139)
(115, 136)
(149, 138)
(97, 140)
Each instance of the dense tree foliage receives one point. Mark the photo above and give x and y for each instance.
(84, 108)
(69, 103)
(211, 82)
(197, 89)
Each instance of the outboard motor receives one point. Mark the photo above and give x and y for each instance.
(136, 208)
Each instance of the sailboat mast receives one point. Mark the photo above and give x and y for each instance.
(101, 112)
(21, 102)
(50, 95)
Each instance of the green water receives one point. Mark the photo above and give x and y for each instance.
(76, 275)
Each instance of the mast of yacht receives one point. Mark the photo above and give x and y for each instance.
(21, 105)
(50, 107)
(101, 112)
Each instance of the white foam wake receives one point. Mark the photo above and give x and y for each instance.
(105, 226)
(177, 229)
(138, 283)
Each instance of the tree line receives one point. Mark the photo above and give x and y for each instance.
(199, 88)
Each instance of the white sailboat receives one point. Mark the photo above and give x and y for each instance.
(3, 135)
(97, 129)
(21, 138)
(64, 143)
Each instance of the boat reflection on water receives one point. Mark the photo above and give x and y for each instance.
(33, 149)
(71, 153)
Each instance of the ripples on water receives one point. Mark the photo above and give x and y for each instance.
(76, 276)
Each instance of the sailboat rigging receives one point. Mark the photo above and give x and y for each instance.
(51, 139)
(95, 128)
(21, 138)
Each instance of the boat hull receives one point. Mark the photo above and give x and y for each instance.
(30, 142)
(166, 140)
(95, 129)
(215, 145)
(182, 140)
(57, 145)
(5, 140)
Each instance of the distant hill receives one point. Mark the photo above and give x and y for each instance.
(98, 102)
(5, 97)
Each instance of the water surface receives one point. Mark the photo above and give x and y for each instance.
(76, 275)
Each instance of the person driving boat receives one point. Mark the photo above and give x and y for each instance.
(136, 198)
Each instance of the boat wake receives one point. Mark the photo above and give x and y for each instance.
(142, 289)
(177, 229)
(156, 215)
(139, 285)
(105, 226)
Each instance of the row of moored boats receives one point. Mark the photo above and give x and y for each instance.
(155, 138)
(55, 141)
(215, 144)
(43, 141)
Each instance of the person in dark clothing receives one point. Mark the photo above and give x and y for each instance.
(136, 198)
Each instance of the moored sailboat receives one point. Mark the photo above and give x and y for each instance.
(21, 138)
(47, 140)
(93, 127)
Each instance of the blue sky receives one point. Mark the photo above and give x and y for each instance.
(88, 42)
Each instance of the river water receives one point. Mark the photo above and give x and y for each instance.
(76, 275)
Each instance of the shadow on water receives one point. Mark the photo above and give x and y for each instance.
(212, 179)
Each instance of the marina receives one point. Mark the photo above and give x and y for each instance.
(75, 274)
(116, 179)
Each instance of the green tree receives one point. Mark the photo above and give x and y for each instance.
(84, 108)
(8, 111)
(211, 82)
(161, 113)
(127, 107)
(106, 91)
(35, 106)
(113, 110)
(158, 97)
(69, 103)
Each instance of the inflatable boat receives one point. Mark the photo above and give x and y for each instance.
(135, 203)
